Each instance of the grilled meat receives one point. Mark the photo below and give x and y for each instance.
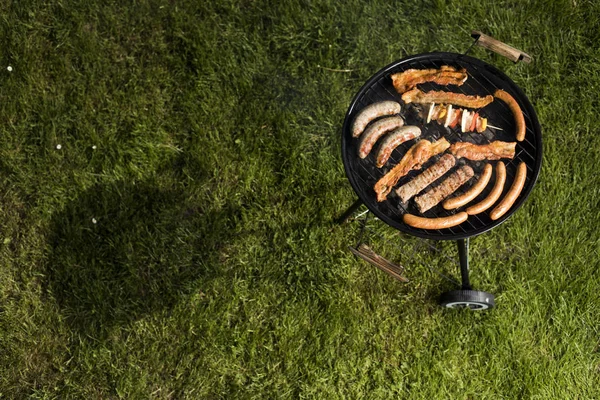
(432, 197)
(459, 99)
(430, 175)
(446, 75)
(418, 154)
(477, 152)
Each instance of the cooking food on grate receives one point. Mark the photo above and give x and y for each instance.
(370, 112)
(514, 191)
(445, 114)
(376, 130)
(438, 193)
(477, 152)
(459, 99)
(445, 75)
(494, 195)
(395, 139)
(418, 154)
(435, 223)
(516, 110)
(473, 192)
(430, 175)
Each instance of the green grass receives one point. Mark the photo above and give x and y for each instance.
(213, 270)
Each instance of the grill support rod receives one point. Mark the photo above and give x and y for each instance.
(346, 215)
(463, 255)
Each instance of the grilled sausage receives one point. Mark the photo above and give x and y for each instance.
(395, 139)
(414, 158)
(494, 194)
(375, 131)
(473, 192)
(370, 112)
(516, 110)
(431, 174)
(512, 194)
(433, 196)
(435, 223)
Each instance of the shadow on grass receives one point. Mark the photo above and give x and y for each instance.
(122, 251)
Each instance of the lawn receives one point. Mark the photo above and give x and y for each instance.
(169, 173)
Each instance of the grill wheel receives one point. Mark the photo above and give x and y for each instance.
(471, 299)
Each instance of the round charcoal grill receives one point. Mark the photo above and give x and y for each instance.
(483, 79)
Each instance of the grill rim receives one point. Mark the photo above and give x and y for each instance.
(370, 202)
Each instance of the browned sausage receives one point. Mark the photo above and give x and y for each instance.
(372, 111)
(512, 194)
(473, 192)
(516, 110)
(494, 194)
(435, 223)
(395, 139)
(376, 130)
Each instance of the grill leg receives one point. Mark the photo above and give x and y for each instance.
(346, 216)
(463, 255)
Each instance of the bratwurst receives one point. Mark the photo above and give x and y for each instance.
(414, 158)
(395, 139)
(432, 197)
(435, 223)
(370, 112)
(431, 174)
(473, 192)
(375, 131)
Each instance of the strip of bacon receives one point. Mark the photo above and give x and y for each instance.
(446, 75)
(477, 152)
(459, 99)
(416, 156)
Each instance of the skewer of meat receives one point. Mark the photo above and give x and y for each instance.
(395, 139)
(430, 175)
(459, 99)
(446, 75)
(416, 156)
(372, 111)
(432, 197)
(477, 152)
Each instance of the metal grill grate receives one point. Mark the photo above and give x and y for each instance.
(483, 79)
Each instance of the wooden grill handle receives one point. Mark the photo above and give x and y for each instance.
(499, 47)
